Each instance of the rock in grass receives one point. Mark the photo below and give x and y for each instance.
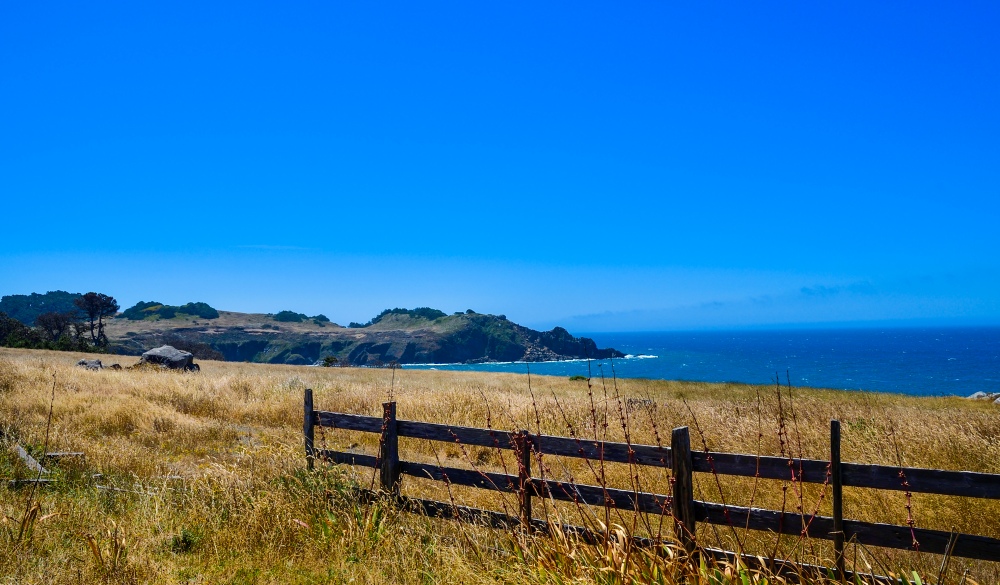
(169, 357)
(90, 364)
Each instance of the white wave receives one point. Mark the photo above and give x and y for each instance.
(457, 364)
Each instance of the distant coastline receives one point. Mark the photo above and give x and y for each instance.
(922, 361)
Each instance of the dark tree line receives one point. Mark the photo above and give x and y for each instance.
(27, 308)
(66, 329)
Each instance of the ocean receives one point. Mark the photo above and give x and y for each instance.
(917, 361)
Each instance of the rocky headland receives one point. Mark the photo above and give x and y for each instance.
(399, 336)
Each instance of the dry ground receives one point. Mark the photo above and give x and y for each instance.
(203, 481)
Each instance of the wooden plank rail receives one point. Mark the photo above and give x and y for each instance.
(342, 458)
(680, 505)
(348, 422)
(546, 444)
(601, 496)
(867, 533)
(647, 455)
(811, 470)
(925, 481)
(492, 481)
(29, 461)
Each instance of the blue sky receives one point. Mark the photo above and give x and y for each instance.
(600, 167)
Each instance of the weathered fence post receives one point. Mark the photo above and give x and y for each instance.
(522, 444)
(389, 452)
(838, 497)
(308, 421)
(683, 496)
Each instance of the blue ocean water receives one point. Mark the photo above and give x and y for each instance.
(931, 361)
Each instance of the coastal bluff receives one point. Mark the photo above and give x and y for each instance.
(395, 336)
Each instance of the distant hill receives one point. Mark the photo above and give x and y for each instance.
(396, 335)
(27, 308)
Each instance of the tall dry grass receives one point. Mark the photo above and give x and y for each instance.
(202, 476)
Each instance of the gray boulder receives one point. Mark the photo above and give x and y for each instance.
(90, 364)
(169, 357)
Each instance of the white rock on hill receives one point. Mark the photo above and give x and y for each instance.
(993, 397)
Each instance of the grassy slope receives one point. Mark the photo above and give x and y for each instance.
(215, 492)
(119, 328)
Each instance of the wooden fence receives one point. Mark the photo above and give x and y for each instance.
(685, 511)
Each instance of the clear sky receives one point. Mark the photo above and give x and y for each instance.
(602, 166)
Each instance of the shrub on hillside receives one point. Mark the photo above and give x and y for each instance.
(138, 311)
(418, 313)
(289, 317)
(427, 313)
(143, 309)
(13, 333)
(203, 310)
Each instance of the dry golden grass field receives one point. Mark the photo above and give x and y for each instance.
(203, 480)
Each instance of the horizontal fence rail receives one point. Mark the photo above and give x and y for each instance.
(684, 511)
